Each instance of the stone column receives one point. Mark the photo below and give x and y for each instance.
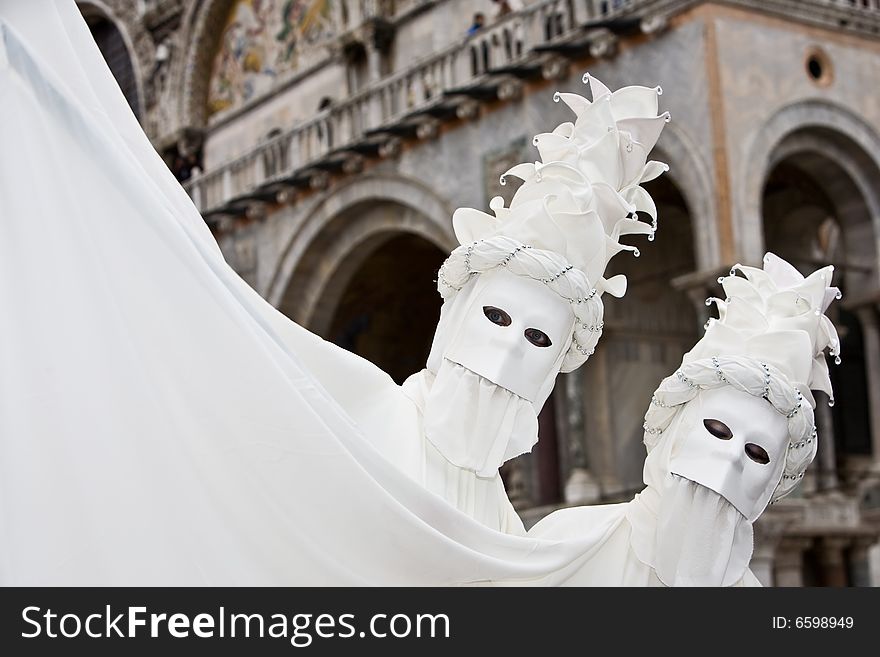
(515, 475)
(763, 560)
(374, 62)
(580, 485)
(874, 564)
(810, 483)
(789, 564)
(827, 477)
(600, 432)
(769, 531)
(832, 561)
(867, 315)
(860, 561)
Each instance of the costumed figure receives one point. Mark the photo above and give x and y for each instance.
(731, 431)
(162, 424)
(522, 303)
(523, 294)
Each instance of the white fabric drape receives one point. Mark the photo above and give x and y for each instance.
(160, 423)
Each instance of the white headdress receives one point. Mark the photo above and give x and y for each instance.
(565, 222)
(769, 341)
(562, 227)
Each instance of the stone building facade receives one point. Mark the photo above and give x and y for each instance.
(327, 143)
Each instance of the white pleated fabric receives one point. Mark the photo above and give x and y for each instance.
(474, 423)
(701, 539)
(688, 534)
(160, 423)
(436, 466)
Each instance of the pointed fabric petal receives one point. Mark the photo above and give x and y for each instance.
(597, 88)
(612, 248)
(653, 170)
(631, 227)
(633, 155)
(829, 337)
(643, 202)
(524, 171)
(532, 224)
(787, 303)
(471, 225)
(553, 147)
(564, 129)
(562, 171)
(585, 249)
(610, 205)
(760, 279)
(831, 294)
(601, 162)
(816, 285)
(740, 288)
(644, 131)
(744, 316)
(576, 102)
(496, 204)
(594, 123)
(782, 273)
(635, 101)
(819, 376)
(615, 286)
(547, 181)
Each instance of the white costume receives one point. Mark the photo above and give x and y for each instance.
(538, 264)
(728, 433)
(160, 423)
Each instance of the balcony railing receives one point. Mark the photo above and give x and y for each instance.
(398, 104)
(528, 43)
(854, 4)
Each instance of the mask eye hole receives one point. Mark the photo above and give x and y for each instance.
(718, 429)
(757, 453)
(496, 315)
(537, 337)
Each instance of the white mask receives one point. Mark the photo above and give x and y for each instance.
(514, 332)
(734, 444)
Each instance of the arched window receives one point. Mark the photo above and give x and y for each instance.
(112, 46)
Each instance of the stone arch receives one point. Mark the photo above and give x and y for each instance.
(422, 212)
(690, 173)
(383, 304)
(345, 243)
(138, 44)
(813, 125)
(844, 180)
(202, 28)
(813, 195)
(361, 271)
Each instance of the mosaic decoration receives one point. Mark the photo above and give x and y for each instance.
(261, 41)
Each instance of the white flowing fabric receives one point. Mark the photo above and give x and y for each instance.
(160, 423)
(483, 498)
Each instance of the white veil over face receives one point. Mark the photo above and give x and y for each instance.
(160, 423)
(688, 533)
(497, 350)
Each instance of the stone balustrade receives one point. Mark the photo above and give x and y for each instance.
(405, 104)
(488, 65)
